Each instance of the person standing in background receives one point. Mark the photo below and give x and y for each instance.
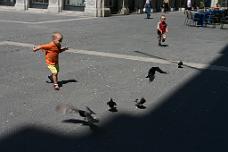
(189, 5)
(166, 5)
(148, 6)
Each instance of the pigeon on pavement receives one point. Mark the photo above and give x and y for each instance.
(139, 103)
(112, 105)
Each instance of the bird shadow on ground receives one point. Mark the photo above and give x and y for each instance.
(113, 110)
(141, 107)
(193, 118)
(149, 18)
(82, 123)
(157, 57)
(164, 45)
(74, 121)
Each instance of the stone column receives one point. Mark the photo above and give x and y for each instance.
(22, 4)
(124, 10)
(91, 7)
(54, 6)
(97, 8)
(61, 5)
(102, 8)
(100, 5)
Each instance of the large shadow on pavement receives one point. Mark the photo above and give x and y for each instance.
(192, 119)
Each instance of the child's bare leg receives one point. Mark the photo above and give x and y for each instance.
(55, 78)
(159, 39)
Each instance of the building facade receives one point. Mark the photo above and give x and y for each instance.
(98, 7)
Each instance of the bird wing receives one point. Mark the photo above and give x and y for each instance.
(89, 110)
(159, 70)
(142, 101)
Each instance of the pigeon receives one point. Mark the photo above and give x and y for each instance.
(112, 105)
(151, 73)
(139, 103)
(180, 64)
(86, 114)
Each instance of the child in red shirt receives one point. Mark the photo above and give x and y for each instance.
(162, 28)
(52, 50)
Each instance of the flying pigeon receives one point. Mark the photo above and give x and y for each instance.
(112, 105)
(86, 114)
(151, 73)
(139, 103)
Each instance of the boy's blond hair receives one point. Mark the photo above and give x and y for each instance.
(162, 17)
(56, 34)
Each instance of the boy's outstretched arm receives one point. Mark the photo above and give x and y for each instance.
(63, 49)
(36, 48)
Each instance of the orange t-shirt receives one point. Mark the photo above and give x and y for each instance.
(51, 53)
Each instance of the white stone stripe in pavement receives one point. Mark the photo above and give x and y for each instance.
(128, 57)
(50, 21)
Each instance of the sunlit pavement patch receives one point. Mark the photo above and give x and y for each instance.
(128, 57)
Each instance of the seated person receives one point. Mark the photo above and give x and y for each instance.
(216, 7)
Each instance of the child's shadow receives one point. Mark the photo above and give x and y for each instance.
(149, 18)
(62, 82)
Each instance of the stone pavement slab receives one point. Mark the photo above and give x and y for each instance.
(186, 108)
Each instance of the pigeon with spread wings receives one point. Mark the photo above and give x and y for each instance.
(87, 114)
(152, 71)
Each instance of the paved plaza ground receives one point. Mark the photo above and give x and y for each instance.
(186, 109)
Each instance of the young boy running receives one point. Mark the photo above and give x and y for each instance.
(52, 50)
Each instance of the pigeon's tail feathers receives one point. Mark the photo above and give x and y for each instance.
(91, 119)
(66, 109)
(90, 110)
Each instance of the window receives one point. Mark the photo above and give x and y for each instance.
(74, 2)
(8, 2)
(77, 5)
(40, 1)
(43, 4)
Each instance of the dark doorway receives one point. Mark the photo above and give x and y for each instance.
(114, 6)
(131, 6)
(75, 5)
(7, 2)
(42, 4)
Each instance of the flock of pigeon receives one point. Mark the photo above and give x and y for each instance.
(89, 115)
